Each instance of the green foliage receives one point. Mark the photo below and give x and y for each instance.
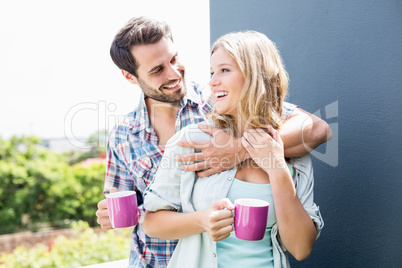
(98, 141)
(91, 180)
(85, 248)
(39, 185)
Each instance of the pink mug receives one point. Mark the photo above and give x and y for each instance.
(251, 218)
(122, 209)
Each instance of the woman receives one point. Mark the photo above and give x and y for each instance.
(250, 84)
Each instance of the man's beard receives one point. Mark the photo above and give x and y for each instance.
(158, 95)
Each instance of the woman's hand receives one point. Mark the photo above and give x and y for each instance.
(266, 150)
(218, 219)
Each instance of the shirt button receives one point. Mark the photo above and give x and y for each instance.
(214, 254)
(229, 179)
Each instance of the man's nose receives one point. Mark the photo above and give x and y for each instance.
(175, 71)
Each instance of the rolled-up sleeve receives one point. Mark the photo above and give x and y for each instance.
(164, 192)
(171, 185)
(304, 183)
(288, 109)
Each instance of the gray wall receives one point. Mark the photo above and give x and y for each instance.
(344, 59)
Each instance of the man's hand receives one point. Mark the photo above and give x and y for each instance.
(222, 152)
(102, 213)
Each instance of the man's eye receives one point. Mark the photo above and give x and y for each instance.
(157, 70)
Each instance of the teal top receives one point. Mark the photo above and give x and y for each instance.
(235, 252)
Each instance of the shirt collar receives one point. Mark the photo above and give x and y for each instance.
(142, 122)
(192, 97)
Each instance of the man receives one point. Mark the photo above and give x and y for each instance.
(145, 53)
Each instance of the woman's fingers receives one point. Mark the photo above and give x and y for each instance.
(222, 233)
(220, 219)
(252, 136)
(221, 225)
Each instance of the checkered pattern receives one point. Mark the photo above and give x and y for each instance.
(133, 158)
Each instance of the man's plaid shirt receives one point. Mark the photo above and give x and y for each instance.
(133, 158)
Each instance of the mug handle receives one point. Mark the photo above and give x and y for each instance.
(233, 225)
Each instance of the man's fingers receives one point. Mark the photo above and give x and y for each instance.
(114, 190)
(194, 144)
(103, 219)
(196, 166)
(190, 157)
(102, 213)
(208, 172)
(102, 204)
(105, 223)
(209, 129)
(206, 164)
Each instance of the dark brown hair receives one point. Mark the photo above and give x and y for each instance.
(138, 31)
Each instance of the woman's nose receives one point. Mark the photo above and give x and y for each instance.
(214, 81)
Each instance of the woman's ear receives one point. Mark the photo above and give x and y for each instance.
(130, 78)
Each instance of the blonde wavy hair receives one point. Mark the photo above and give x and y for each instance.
(265, 86)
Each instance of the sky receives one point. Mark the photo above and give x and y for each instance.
(56, 76)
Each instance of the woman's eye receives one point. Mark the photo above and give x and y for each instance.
(212, 74)
(225, 70)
